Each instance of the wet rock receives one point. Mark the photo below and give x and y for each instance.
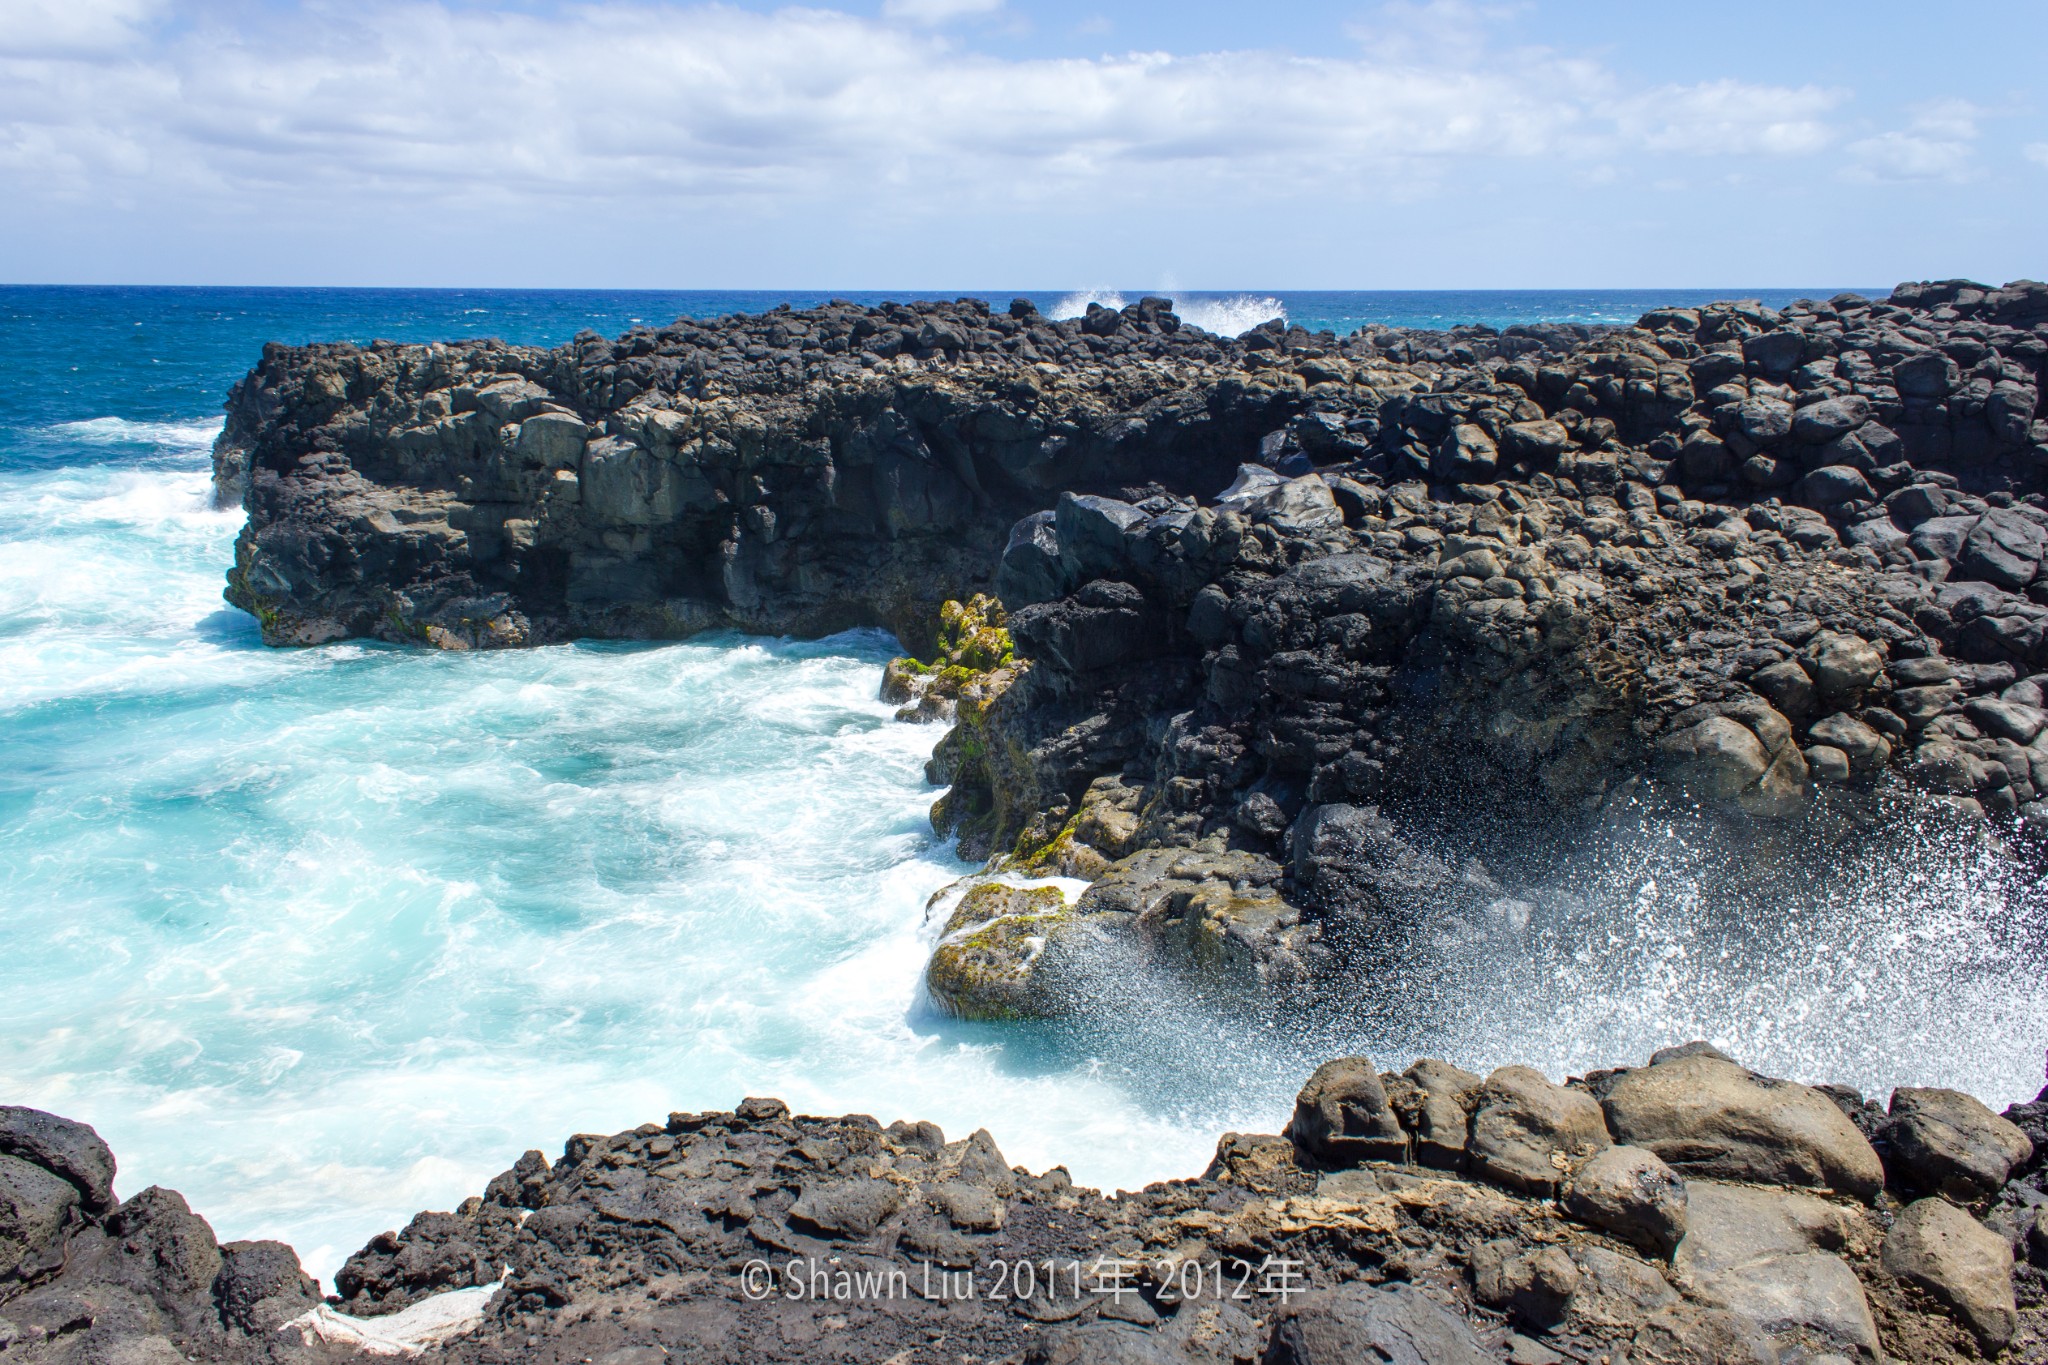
(1947, 1142)
(1526, 1132)
(991, 961)
(1631, 1193)
(1959, 1261)
(1710, 1118)
(1843, 666)
(1864, 749)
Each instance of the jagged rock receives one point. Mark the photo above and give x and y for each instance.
(852, 1208)
(1707, 1117)
(1947, 1142)
(1632, 1194)
(1526, 1132)
(261, 1286)
(35, 1209)
(63, 1147)
(1958, 1260)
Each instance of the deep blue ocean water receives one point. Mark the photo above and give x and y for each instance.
(323, 937)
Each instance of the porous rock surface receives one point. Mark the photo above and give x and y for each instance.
(757, 1235)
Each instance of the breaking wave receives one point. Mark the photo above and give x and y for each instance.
(1224, 314)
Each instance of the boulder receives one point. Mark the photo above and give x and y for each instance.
(1467, 455)
(1787, 687)
(1359, 1323)
(1707, 1117)
(1631, 1193)
(63, 1147)
(992, 958)
(2005, 547)
(1342, 1116)
(1825, 763)
(1526, 1132)
(1431, 1100)
(1959, 1261)
(1717, 759)
(1946, 1142)
(1865, 749)
(262, 1286)
(1832, 486)
(1842, 666)
(1533, 1287)
(1538, 442)
(1769, 1256)
(2003, 719)
(1831, 417)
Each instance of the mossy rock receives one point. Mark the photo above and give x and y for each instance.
(987, 965)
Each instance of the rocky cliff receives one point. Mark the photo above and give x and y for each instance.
(1259, 613)
(1685, 1212)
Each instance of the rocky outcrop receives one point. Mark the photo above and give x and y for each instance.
(1370, 1230)
(1245, 624)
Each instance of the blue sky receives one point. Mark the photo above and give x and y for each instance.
(926, 144)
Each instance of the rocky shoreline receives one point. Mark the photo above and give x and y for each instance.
(1684, 1211)
(1301, 649)
(1309, 658)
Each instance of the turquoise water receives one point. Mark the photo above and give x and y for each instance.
(324, 937)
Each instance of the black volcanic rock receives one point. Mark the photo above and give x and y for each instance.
(759, 1235)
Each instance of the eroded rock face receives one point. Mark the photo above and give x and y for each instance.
(1518, 525)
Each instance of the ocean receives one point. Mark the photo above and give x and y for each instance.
(324, 937)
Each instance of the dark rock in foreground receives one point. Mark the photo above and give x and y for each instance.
(1687, 1211)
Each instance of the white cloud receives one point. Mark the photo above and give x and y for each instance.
(1937, 144)
(71, 28)
(937, 11)
(1731, 118)
(2036, 152)
(620, 101)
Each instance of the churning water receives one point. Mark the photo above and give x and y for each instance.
(324, 937)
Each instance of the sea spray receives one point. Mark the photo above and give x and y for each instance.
(1224, 314)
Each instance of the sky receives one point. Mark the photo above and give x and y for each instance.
(1043, 144)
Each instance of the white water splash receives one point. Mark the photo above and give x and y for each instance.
(1226, 315)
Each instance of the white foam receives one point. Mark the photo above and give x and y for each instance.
(1226, 314)
(186, 435)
